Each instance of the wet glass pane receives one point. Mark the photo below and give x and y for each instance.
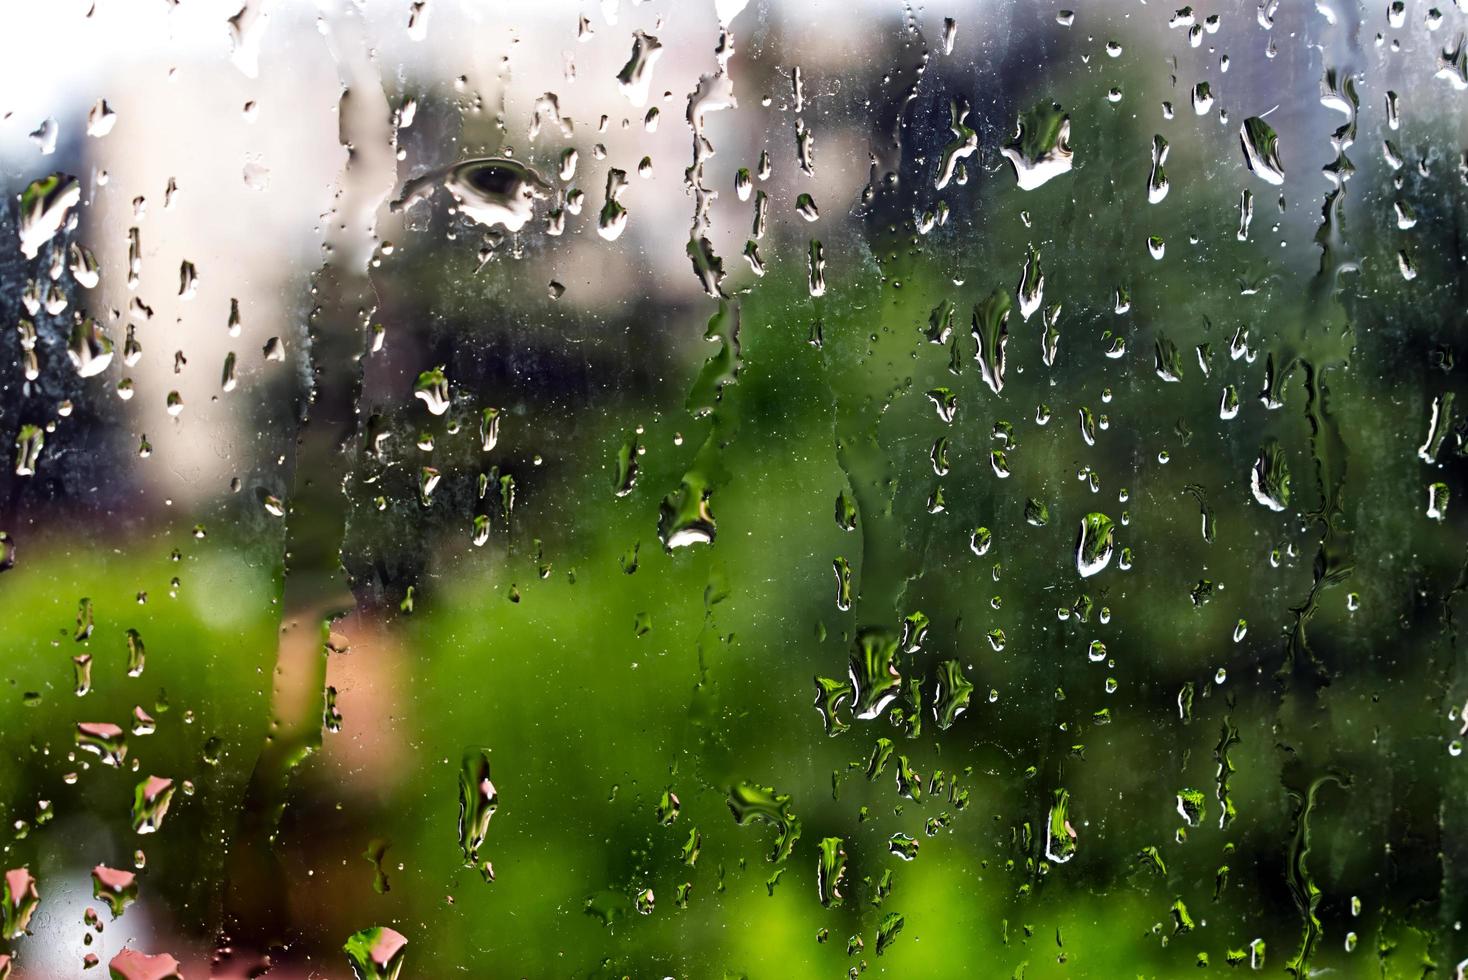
(733, 489)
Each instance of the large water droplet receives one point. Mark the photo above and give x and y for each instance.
(613, 219)
(1261, 150)
(118, 888)
(492, 190)
(20, 900)
(432, 388)
(749, 802)
(1040, 146)
(873, 671)
(377, 953)
(151, 799)
(44, 207)
(636, 75)
(991, 335)
(831, 872)
(1094, 544)
(1270, 478)
(1060, 836)
(129, 964)
(90, 349)
(478, 801)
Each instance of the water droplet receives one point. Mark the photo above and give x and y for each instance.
(685, 517)
(1202, 98)
(888, 929)
(45, 206)
(1094, 544)
(951, 698)
(636, 75)
(843, 584)
(950, 31)
(90, 349)
(117, 888)
(1040, 147)
(749, 802)
(831, 872)
(492, 191)
(965, 142)
(377, 953)
(45, 135)
(1437, 501)
(478, 801)
(1453, 64)
(1031, 284)
(432, 388)
(613, 219)
(83, 266)
(668, 808)
(817, 268)
(1270, 478)
(1261, 152)
(151, 799)
(1192, 806)
(903, 846)
(873, 671)
(103, 739)
(1060, 836)
(831, 696)
(991, 335)
(20, 900)
(29, 441)
(100, 119)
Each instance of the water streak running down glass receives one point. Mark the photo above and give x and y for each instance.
(780, 489)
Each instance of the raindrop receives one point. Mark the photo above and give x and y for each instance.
(44, 207)
(1261, 154)
(100, 119)
(613, 219)
(1270, 478)
(151, 799)
(377, 953)
(116, 887)
(1157, 185)
(432, 388)
(1040, 147)
(478, 801)
(1094, 544)
(491, 191)
(20, 900)
(636, 75)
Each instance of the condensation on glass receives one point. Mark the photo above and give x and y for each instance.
(717, 488)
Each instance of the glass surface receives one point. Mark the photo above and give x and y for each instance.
(706, 489)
